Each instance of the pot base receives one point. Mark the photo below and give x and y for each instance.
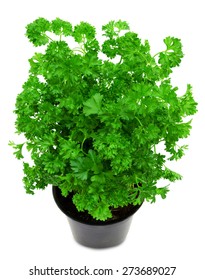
(100, 236)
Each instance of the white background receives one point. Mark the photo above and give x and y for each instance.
(169, 233)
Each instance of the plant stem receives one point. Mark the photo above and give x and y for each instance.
(156, 54)
(120, 60)
(79, 50)
(139, 121)
(82, 146)
(160, 52)
(49, 37)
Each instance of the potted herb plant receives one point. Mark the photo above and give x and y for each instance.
(94, 116)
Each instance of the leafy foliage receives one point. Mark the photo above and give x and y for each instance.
(92, 125)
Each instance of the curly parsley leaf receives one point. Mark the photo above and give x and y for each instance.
(173, 54)
(188, 105)
(17, 148)
(84, 31)
(36, 31)
(113, 28)
(171, 175)
(61, 27)
(93, 105)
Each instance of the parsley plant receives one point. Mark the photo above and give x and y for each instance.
(93, 125)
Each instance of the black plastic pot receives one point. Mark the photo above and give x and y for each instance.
(89, 232)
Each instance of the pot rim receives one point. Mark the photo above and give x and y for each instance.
(69, 212)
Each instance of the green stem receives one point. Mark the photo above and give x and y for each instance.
(139, 121)
(156, 54)
(140, 179)
(82, 146)
(79, 50)
(160, 52)
(120, 60)
(49, 38)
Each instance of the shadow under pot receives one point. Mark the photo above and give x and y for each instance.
(93, 233)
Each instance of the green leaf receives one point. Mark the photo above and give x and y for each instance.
(61, 27)
(99, 178)
(34, 178)
(36, 31)
(53, 164)
(173, 54)
(82, 165)
(171, 175)
(67, 184)
(122, 25)
(69, 149)
(113, 28)
(95, 163)
(163, 192)
(82, 31)
(80, 168)
(177, 153)
(179, 130)
(18, 149)
(93, 105)
(188, 105)
(109, 48)
(101, 212)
